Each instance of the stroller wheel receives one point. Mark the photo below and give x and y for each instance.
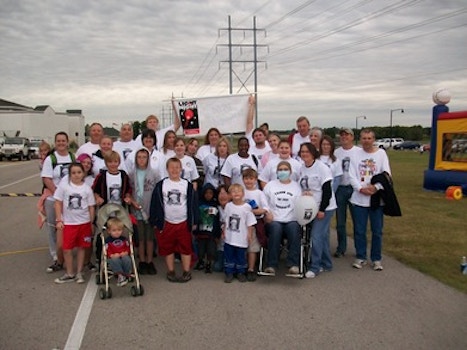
(141, 290)
(109, 293)
(102, 293)
(137, 291)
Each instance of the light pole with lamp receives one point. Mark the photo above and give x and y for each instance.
(356, 125)
(390, 124)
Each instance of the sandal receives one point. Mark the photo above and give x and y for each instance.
(185, 277)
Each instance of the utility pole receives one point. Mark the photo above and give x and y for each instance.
(251, 46)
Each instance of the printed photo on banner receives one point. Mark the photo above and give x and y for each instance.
(188, 112)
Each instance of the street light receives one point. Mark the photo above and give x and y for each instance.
(390, 124)
(356, 125)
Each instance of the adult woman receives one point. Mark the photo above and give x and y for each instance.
(190, 150)
(269, 173)
(55, 167)
(210, 141)
(169, 144)
(214, 162)
(235, 163)
(316, 180)
(273, 141)
(315, 136)
(327, 156)
(281, 194)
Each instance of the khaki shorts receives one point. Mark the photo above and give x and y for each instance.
(254, 247)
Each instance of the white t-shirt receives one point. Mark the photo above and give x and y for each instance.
(159, 137)
(205, 150)
(258, 197)
(89, 148)
(259, 152)
(343, 157)
(234, 166)
(156, 161)
(189, 170)
(269, 172)
(114, 188)
(76, 202)
(60, 170)
(237, 220)
(336, 167)
(312, 180)
(213, 165)
(281, 198)
(174, 195)
(296, 143)
(125, 148)
(363, 166)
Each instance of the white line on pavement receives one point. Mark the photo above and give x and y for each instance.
(82, 315)
(17, 182)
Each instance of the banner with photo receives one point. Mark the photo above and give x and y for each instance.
(226, 113)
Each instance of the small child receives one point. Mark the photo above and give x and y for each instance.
(223, 197)
(74, 210)
(174, 210)
(258, 202)
(208, 228)
(44, 151)
(117, 247)
(237, 234)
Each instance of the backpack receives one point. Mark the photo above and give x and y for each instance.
(54, 161)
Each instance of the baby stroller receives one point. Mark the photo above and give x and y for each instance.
(104, 213)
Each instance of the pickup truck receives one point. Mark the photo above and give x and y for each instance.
(386, 143)
(16, 147)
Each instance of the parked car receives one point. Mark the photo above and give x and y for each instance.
(407, 145)
(16, 147)
(386, 142)
(2, 142)
(34, 147)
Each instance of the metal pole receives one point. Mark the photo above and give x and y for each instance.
(230, 56)
(256, 70)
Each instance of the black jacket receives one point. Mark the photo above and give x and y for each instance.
(391, 204)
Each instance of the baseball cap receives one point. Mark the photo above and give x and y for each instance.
(347, 131)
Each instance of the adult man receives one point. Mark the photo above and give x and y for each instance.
(125, 145)
(301, 136)
(152, 122)
(365, 163)
(96, 132)
(345, 190)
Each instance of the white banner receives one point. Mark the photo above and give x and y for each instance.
(226, 113)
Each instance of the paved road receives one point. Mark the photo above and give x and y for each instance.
(398, 308)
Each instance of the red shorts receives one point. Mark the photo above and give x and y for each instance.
(174, 238)
(77, 236)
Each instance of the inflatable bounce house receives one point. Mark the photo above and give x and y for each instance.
(447, 167)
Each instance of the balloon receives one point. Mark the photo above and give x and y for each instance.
(306, 209)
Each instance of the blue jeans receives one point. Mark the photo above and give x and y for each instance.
(343, 195)
(360, 216)
(234, 259)
(275, 231)
(120, 265)
(320, 248)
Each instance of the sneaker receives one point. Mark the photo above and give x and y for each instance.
(79, 278)
(54, 267)
(251, 276)
(142, 268)
(208, 268)
(229, 278)
(310, 274)
(151, 268)
(294, 270)
(199, 265)
(359, 263)
(377, 266)
(64, 279)
(270, 270)
(121, 281)
(241, 277)
(339, 254)
(186, 276)
(171, 277)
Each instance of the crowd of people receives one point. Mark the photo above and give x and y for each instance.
(207, 206)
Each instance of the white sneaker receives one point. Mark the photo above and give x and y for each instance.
(270, 270)
(359, 263)
(65, 279)
(310, 274)
(377, 266)
(79, 278)
(121, 281)
(294, 270)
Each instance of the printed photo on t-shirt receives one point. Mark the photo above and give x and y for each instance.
(115, 192)
(234, 223)
(63, 170)
(174, 197)
(74, 201)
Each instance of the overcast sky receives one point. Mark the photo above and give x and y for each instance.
(332, 61)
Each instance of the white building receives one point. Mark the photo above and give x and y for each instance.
(41, 122)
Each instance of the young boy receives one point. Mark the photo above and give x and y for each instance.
(174, 211)
(258, 203)
(223, 197)
(118, 251)
(237, 234)
(208, 228)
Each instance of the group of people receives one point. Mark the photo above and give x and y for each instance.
(208, 206)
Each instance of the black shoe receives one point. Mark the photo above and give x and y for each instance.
(186, 276)
(199, 265)
(339, 254)
(142, 268)
(229, 278)
(151, 268)
(54, 267)
(251, 276)
(208, 268)
(241, 277)
(171, 277)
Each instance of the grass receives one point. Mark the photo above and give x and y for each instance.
(431, 235)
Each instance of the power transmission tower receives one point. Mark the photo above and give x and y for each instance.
(249, 46)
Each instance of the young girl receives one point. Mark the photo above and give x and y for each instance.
(169, 144)
(74, 212)
(214, 162)
(189, 171)
(86, 160)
